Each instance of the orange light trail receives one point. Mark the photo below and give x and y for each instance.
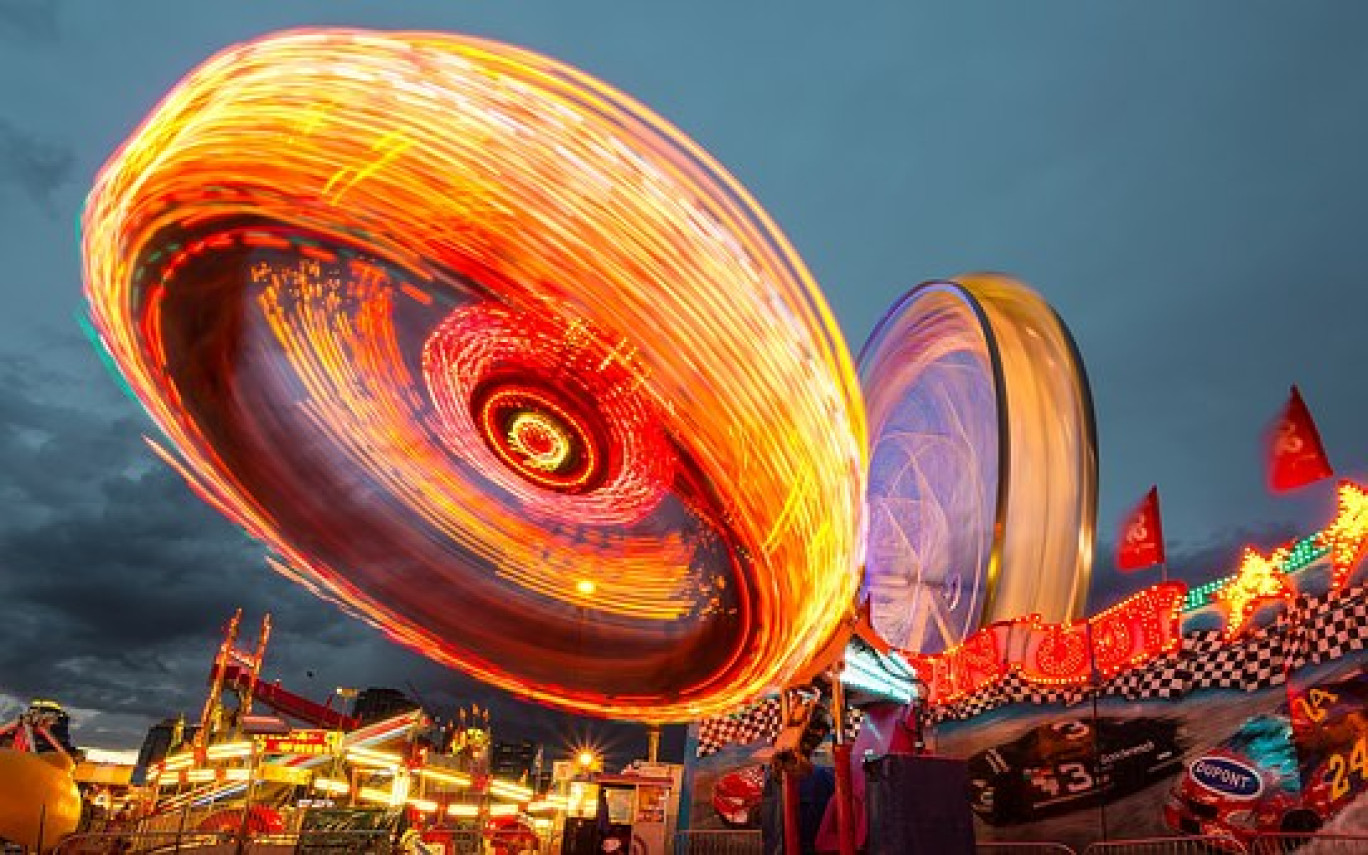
(462, 334)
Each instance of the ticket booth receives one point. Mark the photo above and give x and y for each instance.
(611, 814)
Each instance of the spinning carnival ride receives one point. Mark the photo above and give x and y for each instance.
(39, 801)
(495, 358)
(983, 472)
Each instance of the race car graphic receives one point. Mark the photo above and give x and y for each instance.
(1287, 771)
(1066, 765)
(1245, 784)
(1330, 733)
(737, 795)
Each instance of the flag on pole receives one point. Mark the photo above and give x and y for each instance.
(1296, 456)
(1141, 542)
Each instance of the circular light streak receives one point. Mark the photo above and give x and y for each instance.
(983, 468)
(487, 367)
(540, 439)
(494, 358)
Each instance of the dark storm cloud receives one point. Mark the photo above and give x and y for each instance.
(113, 576)
(29, 19)
(33, 166)
(115, 581)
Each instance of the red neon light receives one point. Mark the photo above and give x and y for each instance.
(1126, 635)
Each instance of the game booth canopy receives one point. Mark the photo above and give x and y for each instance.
(494, 358)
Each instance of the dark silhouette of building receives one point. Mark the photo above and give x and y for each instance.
(161, 738)
(376, 704)
(515, 761)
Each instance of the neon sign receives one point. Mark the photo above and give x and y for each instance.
(1129, 633)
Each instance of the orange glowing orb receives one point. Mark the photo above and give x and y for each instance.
(493, 356)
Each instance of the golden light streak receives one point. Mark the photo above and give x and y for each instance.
(1260, 579)
(1347, 534)
(265, 255)
(225, 750)
(455, 779)
(508, 790)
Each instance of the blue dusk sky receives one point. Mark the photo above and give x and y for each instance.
(1185, 182)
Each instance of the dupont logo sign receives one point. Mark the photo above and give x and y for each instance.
(1227, 777)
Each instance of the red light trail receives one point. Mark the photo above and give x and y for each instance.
(493, 357)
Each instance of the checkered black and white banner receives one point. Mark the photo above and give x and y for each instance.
(750, 724)
(756, 723)
(1311, 631)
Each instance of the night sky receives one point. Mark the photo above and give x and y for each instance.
(1185, 182)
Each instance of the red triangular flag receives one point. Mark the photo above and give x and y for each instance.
(1141, 542)
(1296, 456)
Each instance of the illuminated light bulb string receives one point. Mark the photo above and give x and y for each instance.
(1344, 541)
(1146, 624)
(493, 357)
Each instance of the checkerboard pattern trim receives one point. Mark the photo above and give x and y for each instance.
(759, 722)
(1311, 631)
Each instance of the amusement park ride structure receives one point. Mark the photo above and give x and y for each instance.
(39, 801)
(567, 412)
(247, 773)
(239, 672)
(535, 418)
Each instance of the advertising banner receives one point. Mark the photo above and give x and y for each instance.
(1235, 708)
(1261, 726)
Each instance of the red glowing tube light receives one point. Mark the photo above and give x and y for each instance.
(1126, 635)
(494, 357)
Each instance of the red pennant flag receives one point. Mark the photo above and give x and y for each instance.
(1296, 456)
(1141, 542)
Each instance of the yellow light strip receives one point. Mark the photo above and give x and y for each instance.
(178, 762)
(509, 790)
(442, 776)
(227, 750)
(331, 785)
(371, 794)
(371, 757)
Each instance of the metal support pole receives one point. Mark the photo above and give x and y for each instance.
(841, 750)
(1095, 685)
(180, 828)
(788, 782)
(244, 828)
(653, 743)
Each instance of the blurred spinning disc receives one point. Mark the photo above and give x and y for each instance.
(983, 466)
(493, 356)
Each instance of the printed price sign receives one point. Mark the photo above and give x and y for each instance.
(308, 742)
